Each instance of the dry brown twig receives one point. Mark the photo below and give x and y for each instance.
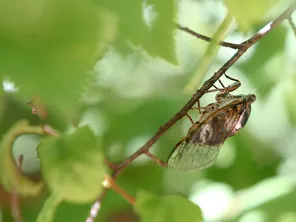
(241, 49)
(208, 39)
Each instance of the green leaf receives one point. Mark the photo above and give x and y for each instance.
(47, 47)
(170, 208)
(265, 50)
(275, 209)
(248, 13)
(148, 24)
(289, 96)
(73, 165)
(251, 155)
(49, 208)
(10, 176)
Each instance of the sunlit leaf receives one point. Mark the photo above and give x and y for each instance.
(273, 210)
(148, 24)
(169, 208)
(265, 50)
(10, 174)
(248, 13)
(290, 92)
(47, 47)
(73, 165)
(251, 155)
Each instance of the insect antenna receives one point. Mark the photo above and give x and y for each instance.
(189, 117)
(215, 86)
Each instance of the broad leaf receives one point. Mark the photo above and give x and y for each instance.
(248, 13)
(47, 47)
(170, 208)
(290, 92)
(255, 67)
(73, 165)
(148, 24)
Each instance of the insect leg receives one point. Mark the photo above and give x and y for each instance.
(221, 84)
(189, 117)
(198, 106)
(233, 79)
(215, 86)
(156, 159)
(233, 86)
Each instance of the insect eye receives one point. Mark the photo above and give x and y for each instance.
(252, 98)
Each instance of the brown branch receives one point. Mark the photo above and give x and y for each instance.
(208, 39)
(110, 183)
(241, 49)
(156, 159)
(292, 24)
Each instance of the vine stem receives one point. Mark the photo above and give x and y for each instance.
(241, 49)
(292, 24)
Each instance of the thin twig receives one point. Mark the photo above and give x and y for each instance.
(208, 39)
(95, 208)
(156, 159)
(48, 130)
(242, 48)
(15, 199)
(110, 183)
(292, 24)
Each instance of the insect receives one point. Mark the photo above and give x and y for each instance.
(219, 120)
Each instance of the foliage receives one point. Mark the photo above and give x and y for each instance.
(169, 208)
(108, 73)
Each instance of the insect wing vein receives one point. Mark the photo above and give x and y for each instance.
(199, 152)
(193, 156)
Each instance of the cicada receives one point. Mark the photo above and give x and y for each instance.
(219, 120)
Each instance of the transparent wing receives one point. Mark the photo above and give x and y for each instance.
(190, 155)
(203, 146)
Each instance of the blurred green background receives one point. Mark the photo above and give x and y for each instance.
(121, 68)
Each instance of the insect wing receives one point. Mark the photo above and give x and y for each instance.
(192, 155)
(204, 140)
